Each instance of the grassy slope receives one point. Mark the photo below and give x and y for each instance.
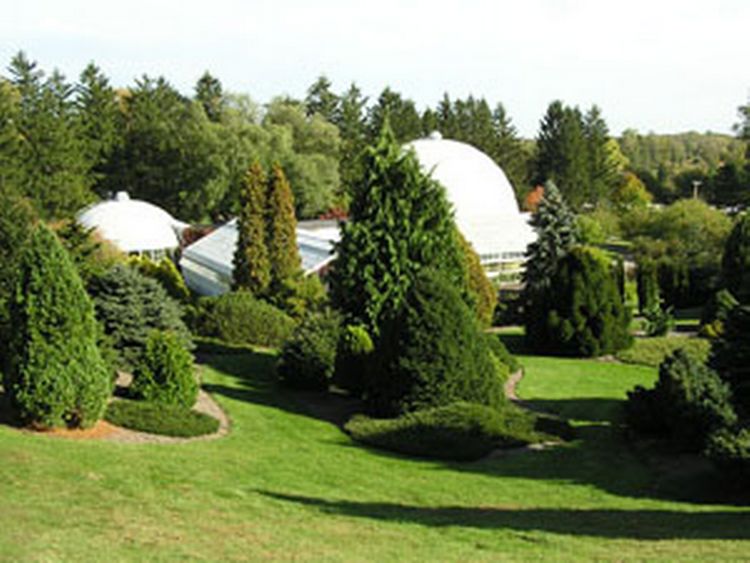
(287, 485)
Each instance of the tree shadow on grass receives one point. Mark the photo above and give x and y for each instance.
(602, 523)
(601, 456)
(254, 375)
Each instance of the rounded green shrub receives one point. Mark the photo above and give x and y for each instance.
(583, 312)
(458, 431)
(352, 358)
(687, 404)
(308, 358)
(730, 356)
(431, 354)
(647, 282)
(54, 374)
(129, 306)
(240, 318)
(165, 373)
(501, 353)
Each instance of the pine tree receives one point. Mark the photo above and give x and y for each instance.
(401, 113)
(508, 150)
(10, 177)
(281, 234)
(562, 153)
(100, 121)
(210, 94)
(350, 119)
(54, 373)
(52, 154)
(602, 171)
(556, 235)
(321, 100)
(400, 222)
(252, 262)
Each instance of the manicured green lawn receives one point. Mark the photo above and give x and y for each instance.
(288, 485)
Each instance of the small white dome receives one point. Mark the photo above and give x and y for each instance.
(132, 225)
(483, 199)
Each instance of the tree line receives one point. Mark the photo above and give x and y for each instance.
(65, 144)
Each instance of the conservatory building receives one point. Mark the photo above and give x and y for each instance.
(134, 226)
(484, 202)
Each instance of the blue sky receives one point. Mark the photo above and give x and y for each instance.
(658, 65)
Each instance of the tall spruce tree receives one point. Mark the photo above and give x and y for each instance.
(252, 263)
(350, 119)
(401, 114)
(400, 221)
(603, 175)
(54, 374)
(508, 150)
(321, 100)
(556, 235)
(100, 121)
(562, 153)
(52, 153)
(281, 234)
(210, 94)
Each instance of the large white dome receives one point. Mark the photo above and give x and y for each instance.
(483, 199)
(132, 225)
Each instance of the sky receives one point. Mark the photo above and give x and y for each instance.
(660, 65)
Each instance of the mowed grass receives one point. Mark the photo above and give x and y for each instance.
(288, 484)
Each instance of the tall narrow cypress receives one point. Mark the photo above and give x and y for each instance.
(252, 265)
(281, 233)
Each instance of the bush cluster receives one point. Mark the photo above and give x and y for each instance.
(653, 351)
(308, 358)
(165, 373)
(129, 306)
(715, 313)
(687, 405)
(240, 318)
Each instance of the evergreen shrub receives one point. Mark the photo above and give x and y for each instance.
(166, 273)
(688, 403)
(432, 353)
(648, 285)
(129, 306)
(308, 358)
(353, 355)
(507, 360)
(583, 311)
(165, 373)
(54, 374)
(239, 318)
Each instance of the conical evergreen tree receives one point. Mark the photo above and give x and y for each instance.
(556, 234)
(54, 374)
(400, 222)
(281, 234)
(252, 265)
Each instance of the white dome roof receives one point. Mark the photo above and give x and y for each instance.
(132, 225)
(483, 199)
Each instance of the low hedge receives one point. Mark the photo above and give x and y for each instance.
(459, 431)
(653, 351)
(167, 420)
